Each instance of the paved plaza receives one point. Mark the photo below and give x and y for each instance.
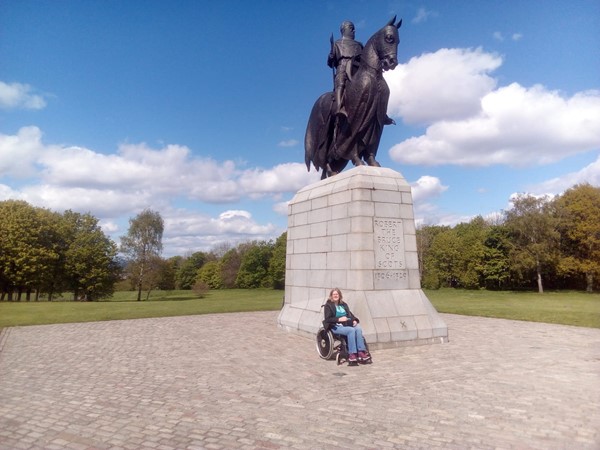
(236, 381)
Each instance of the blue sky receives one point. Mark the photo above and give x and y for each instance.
(197, 109)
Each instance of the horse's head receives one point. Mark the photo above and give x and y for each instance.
(386, 43)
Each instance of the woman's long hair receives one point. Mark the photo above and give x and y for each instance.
(338, 291)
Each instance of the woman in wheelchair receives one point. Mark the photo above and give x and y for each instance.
(340, 320)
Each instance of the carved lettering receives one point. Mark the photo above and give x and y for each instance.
(390, 268)
(389, 239)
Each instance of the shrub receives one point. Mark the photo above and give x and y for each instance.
(200, 288)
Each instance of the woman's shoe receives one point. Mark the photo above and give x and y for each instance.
(352, 360)
(364, 356)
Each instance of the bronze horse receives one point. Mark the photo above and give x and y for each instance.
(331, 141)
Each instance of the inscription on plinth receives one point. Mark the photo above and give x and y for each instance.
(390, 267)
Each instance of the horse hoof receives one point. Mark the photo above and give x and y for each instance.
(373, 162)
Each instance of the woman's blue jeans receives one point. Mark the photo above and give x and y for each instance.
(354, 336)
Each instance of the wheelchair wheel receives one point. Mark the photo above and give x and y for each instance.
(325, 343)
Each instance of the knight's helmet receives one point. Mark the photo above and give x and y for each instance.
(346, 24)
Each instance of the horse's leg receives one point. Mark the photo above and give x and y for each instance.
(330, 172)
(357, 161)
(371, 161)
(355, 154)
(370, 150)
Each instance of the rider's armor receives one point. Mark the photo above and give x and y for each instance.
(344, 51)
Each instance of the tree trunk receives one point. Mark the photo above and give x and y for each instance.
(539, 278)
(140, 282)
(589, 277)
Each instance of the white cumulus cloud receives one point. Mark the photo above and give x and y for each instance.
(19, 96)
(113, 186)
(281, 208)
(288, 177)
(187, 231)
(588, 174)
(444, 85)
(19, 153)
(426, 188)
(137, 170)
(472, 122)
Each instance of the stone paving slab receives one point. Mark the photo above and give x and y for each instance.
(236, 381)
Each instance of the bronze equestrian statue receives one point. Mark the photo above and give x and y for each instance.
(333, 138)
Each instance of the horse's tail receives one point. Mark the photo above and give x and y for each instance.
(317, 139)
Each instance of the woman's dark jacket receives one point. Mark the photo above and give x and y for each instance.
(330, 318)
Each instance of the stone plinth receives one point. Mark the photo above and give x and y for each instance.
(356, 231)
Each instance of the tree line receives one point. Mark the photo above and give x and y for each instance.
(248, 265)
(540, 242)
(45, 252)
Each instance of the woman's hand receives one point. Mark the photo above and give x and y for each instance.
(342, 319)
(354, 323)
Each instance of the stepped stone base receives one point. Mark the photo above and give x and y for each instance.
(356, 231)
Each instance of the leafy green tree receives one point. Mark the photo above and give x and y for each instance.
(230, 265)
(443, 263)
(54, 278)
(143, 242)
(533, 229)
(47, 252)
(167, 280)
(90, 258)
(254, 267)
(496, 259)
(276, 270)
(188, 270)
(430, 277)
(26, 253)
(210, 275)
(579, 213)
(471, 237)
(453, 256)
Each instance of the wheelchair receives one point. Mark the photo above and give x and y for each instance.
(330, 345)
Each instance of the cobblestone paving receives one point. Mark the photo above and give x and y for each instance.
(236, 381)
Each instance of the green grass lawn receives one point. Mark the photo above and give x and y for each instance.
(124, 306)
(568, 308)
(563, 307)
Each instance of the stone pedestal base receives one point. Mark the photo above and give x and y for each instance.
(356, 231)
